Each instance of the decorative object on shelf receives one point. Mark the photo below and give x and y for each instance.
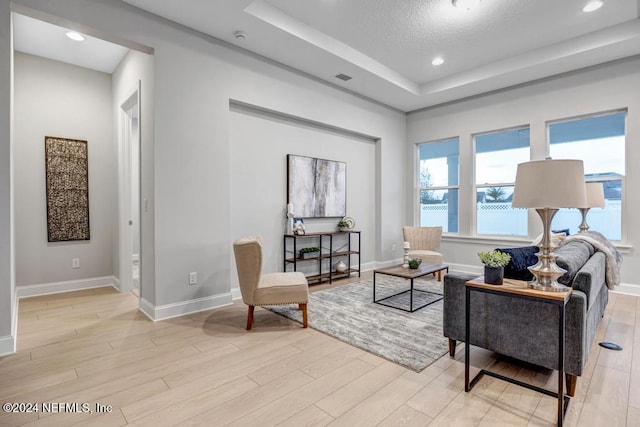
(310, 252)
(406, 248)
(67, 184)
(595, 199)
(298, 227)
(547, 185)
(317, 187)
(414, 263)
(341, 266)
(350, 222)
(290, 218)
(494, 263)
(343, 225)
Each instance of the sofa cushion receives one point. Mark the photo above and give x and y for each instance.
(521, 258)
(571, 257)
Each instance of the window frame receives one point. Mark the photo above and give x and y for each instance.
(623, 178)
(418, 188)
(475, 186)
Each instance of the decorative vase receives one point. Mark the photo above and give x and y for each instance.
(341, 267)
(493, 275)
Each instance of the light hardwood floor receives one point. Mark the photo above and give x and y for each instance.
(94, 346)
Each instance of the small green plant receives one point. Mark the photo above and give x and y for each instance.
(414, 263)
(343, 224)
(494, 258)
(309, 250)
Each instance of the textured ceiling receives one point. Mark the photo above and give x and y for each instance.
(387, 45)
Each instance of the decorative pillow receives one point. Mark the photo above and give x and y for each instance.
(521, 258)
(556, 238)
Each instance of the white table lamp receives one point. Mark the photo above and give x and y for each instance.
(547, 185)
(595, 199)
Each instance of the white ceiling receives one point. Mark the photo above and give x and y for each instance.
(50, 41)
(387, 45)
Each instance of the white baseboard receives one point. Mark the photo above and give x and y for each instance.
(7, 345)
(167, 311)
(236, 294)
(26, 291)
(116, 283)
(627, 289)
(380, 264)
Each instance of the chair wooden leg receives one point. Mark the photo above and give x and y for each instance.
(439, 276)
(452, 347)
(571, 381)
(250, 317)
(303, 307)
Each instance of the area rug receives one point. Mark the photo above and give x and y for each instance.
(347, 312)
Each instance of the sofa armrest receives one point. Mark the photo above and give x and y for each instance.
(591, 277)
(454, 298)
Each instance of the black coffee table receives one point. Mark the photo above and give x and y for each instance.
(409, 274)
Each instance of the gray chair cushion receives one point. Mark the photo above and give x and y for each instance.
(572, 257)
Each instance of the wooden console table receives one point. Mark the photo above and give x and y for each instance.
(519, 289)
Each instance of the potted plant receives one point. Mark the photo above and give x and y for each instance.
(310, 252)
(494, 263)
(343, 224)
(414, 263)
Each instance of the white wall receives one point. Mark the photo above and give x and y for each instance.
(7, 276)
(259, 146)
(604, 88)
(138, 67)
(194, 78)
(56, 99)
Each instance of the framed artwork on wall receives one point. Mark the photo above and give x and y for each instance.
(67, 184)
(317, 188)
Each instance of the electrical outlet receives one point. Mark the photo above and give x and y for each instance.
(75, 263)
(193, 278)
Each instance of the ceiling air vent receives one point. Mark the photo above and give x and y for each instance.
(343, 77)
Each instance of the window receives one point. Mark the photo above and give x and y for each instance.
(438, 172)
(497, 158)
(599, 141)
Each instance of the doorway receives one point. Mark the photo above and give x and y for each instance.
(130, 256)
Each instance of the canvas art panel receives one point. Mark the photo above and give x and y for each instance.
(67, 183)
(317, 188)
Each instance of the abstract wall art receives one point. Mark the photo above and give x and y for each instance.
(67, 182)
(317, 188)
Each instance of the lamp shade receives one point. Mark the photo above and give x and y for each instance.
(595, 195)
(550, 184)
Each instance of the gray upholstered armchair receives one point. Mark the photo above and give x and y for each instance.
(266, 289)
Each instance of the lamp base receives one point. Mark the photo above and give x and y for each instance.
(546, 271)
(553, 287)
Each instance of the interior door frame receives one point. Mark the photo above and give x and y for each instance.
(125, 267)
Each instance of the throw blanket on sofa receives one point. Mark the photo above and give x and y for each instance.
(602, 244)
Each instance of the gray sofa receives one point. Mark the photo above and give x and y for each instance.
(528, 330)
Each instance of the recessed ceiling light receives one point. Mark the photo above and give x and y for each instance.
(437, 61)
(592, 5)
(465, 4)
(74, 35)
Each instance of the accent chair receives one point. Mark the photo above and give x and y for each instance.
(424, 244)
(267, 289)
